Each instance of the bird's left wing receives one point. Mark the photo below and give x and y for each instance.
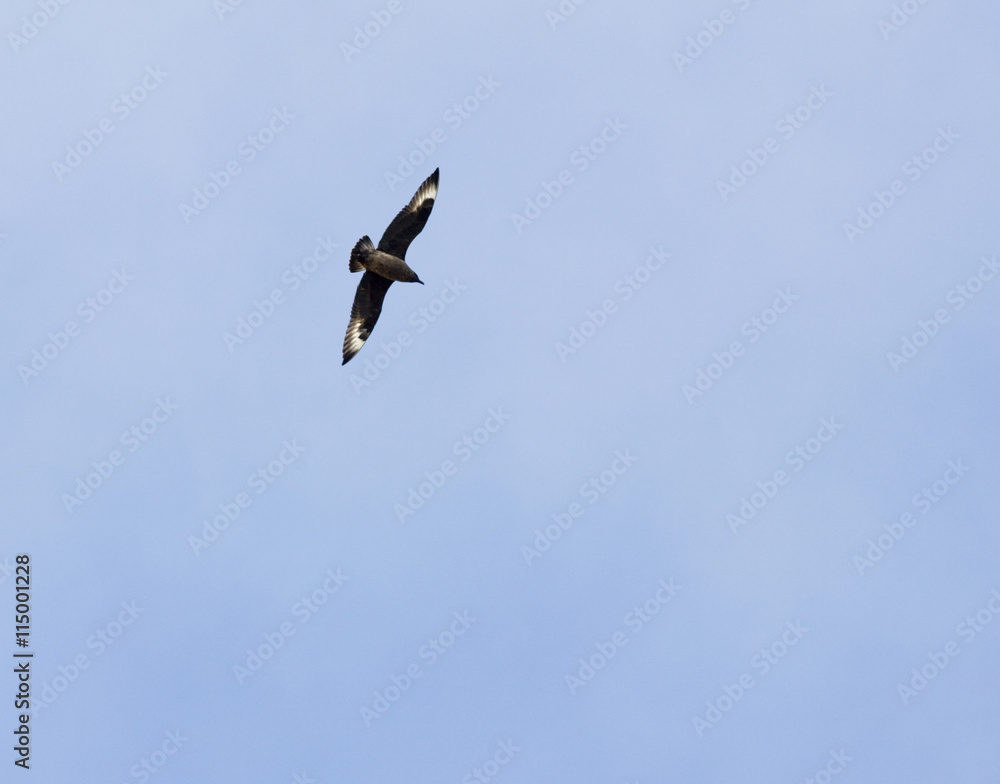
(365, 312)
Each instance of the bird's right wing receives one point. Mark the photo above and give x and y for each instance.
(365, 312)
(410, 220)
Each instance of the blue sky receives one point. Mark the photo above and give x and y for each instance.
(678, 467)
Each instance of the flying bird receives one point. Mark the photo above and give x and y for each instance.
(384, 264)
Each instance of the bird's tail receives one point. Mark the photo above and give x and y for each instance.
(359, 253)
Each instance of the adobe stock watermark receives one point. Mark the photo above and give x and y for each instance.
(591, 492)
(429, 653)
(711, 30)
(6, 570)
(32, 25)
(464, 449)
(132, 438)
(302, 610)
(420, 320)
(624, 288)
(259, 481)
(454, 117)
(913, 168)
(937, 661)
(247, 151)
(796, 459)
(786, 126)
(835, 764)
(370, 29)
(562, 12)
(927, 329)
(924, 501)
(145, 768)
(121, 108)
(98, 642)
(901, 14)
(755, 326)
(87, 309)
(292, 278)
(491, 768)
(225, 7)
(581, 160)
(761, 663)
(635, 620)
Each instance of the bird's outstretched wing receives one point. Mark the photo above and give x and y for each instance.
(365, 312)
(410, 220)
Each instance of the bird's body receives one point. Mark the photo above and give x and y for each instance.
(385, 264)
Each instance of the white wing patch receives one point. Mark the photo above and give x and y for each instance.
(353, 340)
(428, 190)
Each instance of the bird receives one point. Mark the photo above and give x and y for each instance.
(384, 264)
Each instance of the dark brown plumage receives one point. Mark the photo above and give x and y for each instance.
(384, 264)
